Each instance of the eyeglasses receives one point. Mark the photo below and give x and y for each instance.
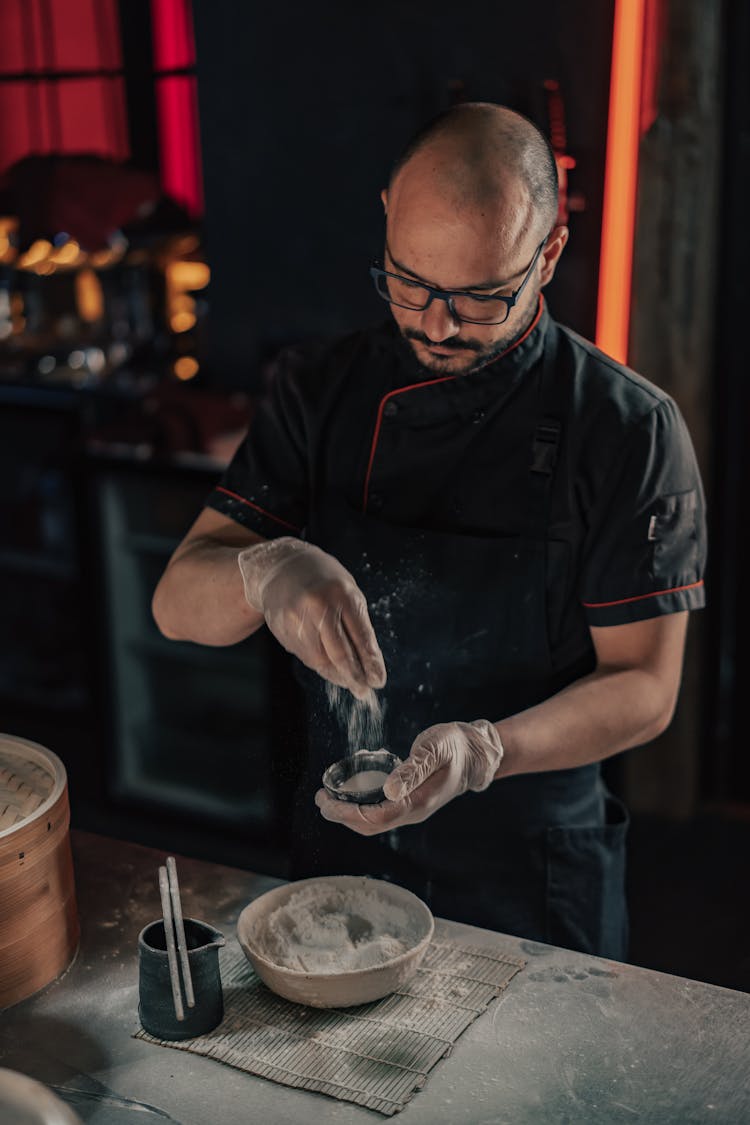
(474, 308)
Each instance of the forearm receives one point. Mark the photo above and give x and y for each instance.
(595, 717)
(201, 598)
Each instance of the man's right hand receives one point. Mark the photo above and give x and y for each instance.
(315, 609)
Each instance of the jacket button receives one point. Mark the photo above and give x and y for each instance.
(477, 416)
(375, 502)
(390, 408)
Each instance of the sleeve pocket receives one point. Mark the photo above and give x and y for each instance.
(674, 532)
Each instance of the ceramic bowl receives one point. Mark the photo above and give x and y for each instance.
(409, 919)
(25, 1101)
(341, 771)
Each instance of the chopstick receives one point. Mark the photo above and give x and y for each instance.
(174, 972)
(171, 907)
(174, 890)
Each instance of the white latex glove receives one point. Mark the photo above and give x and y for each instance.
(445, 761)
(315, 609)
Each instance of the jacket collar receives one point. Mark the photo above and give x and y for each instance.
(516, 360)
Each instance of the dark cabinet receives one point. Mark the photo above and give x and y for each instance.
(43, 654)
(162, 740)
(190, 725)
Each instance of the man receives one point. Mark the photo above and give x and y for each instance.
(514, 517)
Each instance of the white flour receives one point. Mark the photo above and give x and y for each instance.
(364, 781)
(324, 929)
(361, 719)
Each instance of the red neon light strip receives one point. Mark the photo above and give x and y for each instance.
(620, 180)
(177, 110)
(173, 34)
(177, 104)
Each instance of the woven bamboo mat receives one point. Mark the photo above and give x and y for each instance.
(376, 1055)
(24, 786)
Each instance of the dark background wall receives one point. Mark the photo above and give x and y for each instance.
(303, 110)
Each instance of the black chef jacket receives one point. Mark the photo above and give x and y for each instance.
(363, 421)
(359, 433)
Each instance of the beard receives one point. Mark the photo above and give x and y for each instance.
(475, 353)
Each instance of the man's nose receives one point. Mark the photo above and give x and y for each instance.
(438, 323)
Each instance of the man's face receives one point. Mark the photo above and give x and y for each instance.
(446, 246)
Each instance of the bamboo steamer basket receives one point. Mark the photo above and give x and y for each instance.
(38, 917)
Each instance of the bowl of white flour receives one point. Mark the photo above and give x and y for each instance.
(336, 941)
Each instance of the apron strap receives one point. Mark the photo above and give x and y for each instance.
(545, 441)
(545, 445)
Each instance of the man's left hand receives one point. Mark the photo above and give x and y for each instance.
(445, 761)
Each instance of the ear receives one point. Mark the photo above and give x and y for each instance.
(552, 251)
(384, 198)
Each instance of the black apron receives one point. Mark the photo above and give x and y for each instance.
(462, 622)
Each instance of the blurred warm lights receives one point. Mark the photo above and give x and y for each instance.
(186, 367)
(186, 244)
(43, 258)
(89, 296)
(17, 314)
(8, 226)
(6, 324)
(182, 302)
(101, 259)
(182, 321)
(69, 254)
(35, 255)
(184, 274)
(188, 275)
(183, 278)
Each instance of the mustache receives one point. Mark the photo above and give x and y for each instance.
(448, 345)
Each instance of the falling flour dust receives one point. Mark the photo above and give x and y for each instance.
(360, 719)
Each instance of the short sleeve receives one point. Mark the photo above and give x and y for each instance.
(645, 548)
(265, 487)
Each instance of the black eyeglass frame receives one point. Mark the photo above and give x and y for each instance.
(449, 295)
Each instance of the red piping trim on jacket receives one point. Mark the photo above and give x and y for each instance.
(379, 420)
(431, 383)
(640, 597)
(262, 511)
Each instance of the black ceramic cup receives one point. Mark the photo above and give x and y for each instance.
(155, 1000)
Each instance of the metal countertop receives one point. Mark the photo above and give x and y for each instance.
(575, 1039)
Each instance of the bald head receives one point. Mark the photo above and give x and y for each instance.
(488, 159)
(471, 210)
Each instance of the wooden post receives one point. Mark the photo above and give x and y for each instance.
(672, 325)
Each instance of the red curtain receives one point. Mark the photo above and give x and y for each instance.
(41, 113)
(177, 102)
(54, 98)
